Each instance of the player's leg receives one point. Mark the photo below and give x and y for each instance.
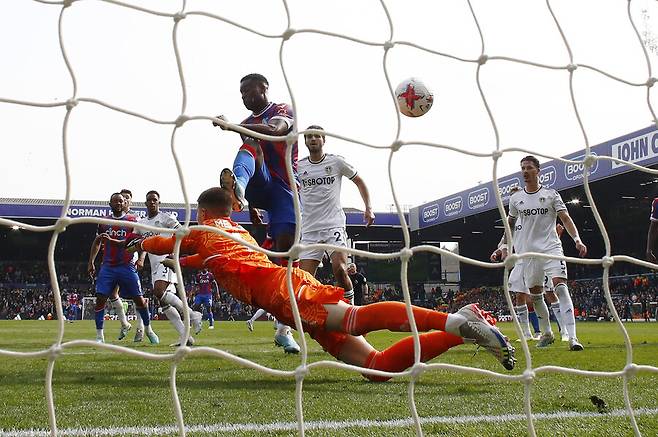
(106, 282)
(533, 275)
(339, 263)
(469, 322)
(160, 288)
(254, 317)
(117, 306)
(236, 180)
(521, 296)
(131, 287)
(566, 309)
(211, 316)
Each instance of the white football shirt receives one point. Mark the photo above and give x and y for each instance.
(536, 216)
(320, 191)
(161, 220)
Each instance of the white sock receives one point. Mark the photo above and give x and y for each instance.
(259, 312)
(117, 305)
(99, 333)
(169, 298)
(541, 309)
(140, 323)
(453, 322)
(174, 318)
(522, 315)
(566, 309)
(555, 307)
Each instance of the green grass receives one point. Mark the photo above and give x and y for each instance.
(98, 389)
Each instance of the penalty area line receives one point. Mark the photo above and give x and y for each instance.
(314, 425)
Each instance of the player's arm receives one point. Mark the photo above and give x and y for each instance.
(570, 226)
(651, 240)
(501, 251)
(93, 253)
(275, 127)
(368, 215)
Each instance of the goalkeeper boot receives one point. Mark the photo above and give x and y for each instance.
(287, 342)
(124, 330)
(546, 339)
(479, 327)
(574, 344)
(228, 182)
(139, 336)
(196, 320)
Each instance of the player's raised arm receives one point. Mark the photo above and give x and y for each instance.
(570, 226)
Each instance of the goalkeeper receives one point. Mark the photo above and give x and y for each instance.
(336, 325)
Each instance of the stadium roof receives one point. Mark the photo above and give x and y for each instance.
(639, 147)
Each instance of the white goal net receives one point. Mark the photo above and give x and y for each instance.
(469, 72)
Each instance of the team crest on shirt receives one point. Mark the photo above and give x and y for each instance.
(541, 199)
(327, 169)
(305, 173)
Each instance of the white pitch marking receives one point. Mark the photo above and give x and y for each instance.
(311, 425)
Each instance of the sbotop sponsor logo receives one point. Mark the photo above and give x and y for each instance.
(453, 206)
(548, 176)
(506, 186)
(574, 172)
(478, 198)
(430, 213)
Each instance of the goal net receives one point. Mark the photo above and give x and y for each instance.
(463, 72)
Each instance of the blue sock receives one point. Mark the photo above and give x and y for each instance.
(144, 314)
(532, 316)
(244, 167)
(100, 318)
(211, 317)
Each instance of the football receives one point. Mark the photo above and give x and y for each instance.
(414, 98)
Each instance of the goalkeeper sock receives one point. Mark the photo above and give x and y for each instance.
(393, 316)
(522, 315)
(542, 312)
(174, 318)
(117, 305)
(400, 355)
(566, 309)
(169, 298)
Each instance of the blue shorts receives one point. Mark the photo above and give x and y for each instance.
(204, 299)
(272, 195)
(125, 276)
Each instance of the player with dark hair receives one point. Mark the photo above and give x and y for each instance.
(533, 213)
(252, 278)
(323, 219)
(162, 278)
(117, 268)
(204, 295)
(260, 177)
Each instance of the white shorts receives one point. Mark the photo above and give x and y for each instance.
(515, 281)
(161, 273)
(548, 283)
(334, 236)
(537, 269)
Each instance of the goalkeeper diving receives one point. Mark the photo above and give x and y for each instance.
(329, 319)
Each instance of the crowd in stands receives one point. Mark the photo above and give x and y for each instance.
(25, 290)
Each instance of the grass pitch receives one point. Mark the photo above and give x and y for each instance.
(99, 391)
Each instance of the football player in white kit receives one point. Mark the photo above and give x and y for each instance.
(163, 278)
(533, 213)
(323, 219)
